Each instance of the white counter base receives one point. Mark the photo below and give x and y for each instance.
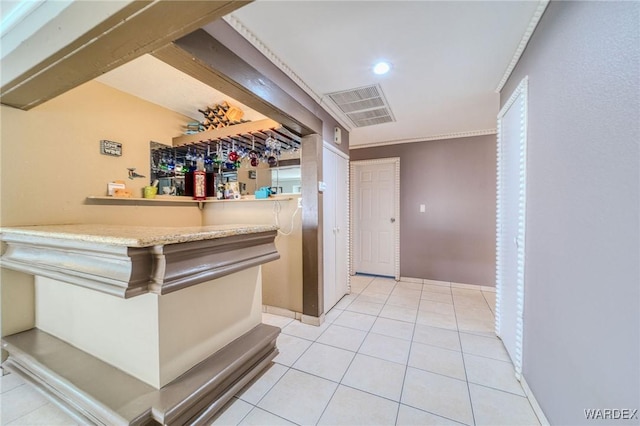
(154, 338)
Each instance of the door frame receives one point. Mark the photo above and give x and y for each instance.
(520, 92)
(355, 189)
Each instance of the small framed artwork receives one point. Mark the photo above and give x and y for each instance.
(110, 148)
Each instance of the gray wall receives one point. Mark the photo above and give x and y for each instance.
(582, 295)
(454, 240)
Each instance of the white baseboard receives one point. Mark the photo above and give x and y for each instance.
(281, 312)
(466, 286)
(534, 403)
(434, 282)
(307, 319)
(411, 280)
(447, 284)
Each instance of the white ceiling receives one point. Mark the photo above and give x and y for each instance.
(448, 57)
(149, 78)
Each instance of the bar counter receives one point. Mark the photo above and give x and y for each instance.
(135, 236)
(128, 261)
(170, 317)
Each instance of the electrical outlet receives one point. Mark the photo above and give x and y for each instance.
(322, 186)
(299, 203)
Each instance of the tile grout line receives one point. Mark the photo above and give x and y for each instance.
(406, 367)
(255, 407)
(487, 302)
(444, 375)
(499, 390)
(367, 333)
(243, 417)
(288, 368)
(352, 359)
(433, 414)
(46, 402)
(464, 365)
(262, 397)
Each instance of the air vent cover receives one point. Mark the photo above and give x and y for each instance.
(364, 106)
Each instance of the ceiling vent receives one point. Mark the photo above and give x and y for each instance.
(364, 106)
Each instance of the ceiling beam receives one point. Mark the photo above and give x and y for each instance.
(138, 28)
(206, 59)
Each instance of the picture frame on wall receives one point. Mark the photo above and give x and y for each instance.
(111, 148)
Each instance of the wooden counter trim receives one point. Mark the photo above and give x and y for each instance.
(131, 271)
(177, 266)
(116, 270)
(95, 392)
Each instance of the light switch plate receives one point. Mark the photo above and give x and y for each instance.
(422, 208)
(322, 186)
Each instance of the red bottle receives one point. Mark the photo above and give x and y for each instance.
(199, 185)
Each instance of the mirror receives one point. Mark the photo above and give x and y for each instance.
(163, 169)
(286, 180)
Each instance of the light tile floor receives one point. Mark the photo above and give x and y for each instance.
(390, 353)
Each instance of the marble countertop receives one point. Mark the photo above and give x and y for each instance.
(135, 236)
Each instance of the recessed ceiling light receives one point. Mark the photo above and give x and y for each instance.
(381, 68)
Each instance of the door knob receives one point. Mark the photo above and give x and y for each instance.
(393, 220)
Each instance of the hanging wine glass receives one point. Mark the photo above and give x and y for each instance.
(164, 166)
(172, 160)
(200, 161)
(253, 154)
(275, 146)
(218, 155)
(243, 153)
(208, 160)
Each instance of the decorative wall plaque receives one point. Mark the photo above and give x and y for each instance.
(110, 148)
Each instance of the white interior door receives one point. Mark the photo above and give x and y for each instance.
(511, 211)
(375, 219)
(342, 227)
(335, 170)
(329, 228)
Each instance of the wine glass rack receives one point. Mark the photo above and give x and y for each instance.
(251, 135)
